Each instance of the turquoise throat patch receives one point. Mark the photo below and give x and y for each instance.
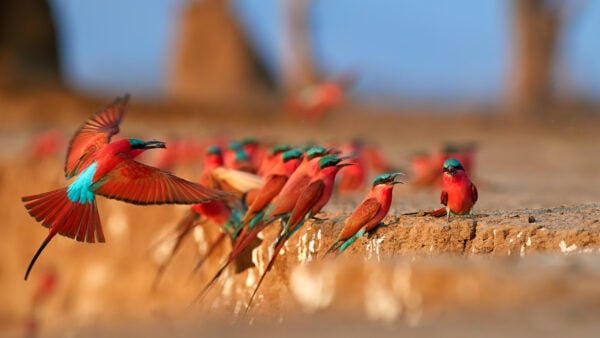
(79, 190)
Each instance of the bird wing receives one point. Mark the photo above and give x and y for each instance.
(239, 181)
(137, 183)
(474, 193)
(266, 194)
(444, 197)
(94, 133)
(306, 201)
(365, 212)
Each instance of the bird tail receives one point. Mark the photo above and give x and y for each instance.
(279, 243)
(57, 212)
(336, 244)
(437, 212)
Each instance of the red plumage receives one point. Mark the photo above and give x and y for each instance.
(54, 210)
(137, 183)
(72, 211)
(94, 133)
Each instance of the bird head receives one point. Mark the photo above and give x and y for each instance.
(313, 152)
(145, 145)
(291, 154)
(331, 161)
(279, 148)
(388, 179)
(452, 166)
(213, 150)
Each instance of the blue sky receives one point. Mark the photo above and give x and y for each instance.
(421, 51)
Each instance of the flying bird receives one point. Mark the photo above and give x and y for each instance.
(108, 169)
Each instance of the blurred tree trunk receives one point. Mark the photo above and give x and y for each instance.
(212, 59)
(537, 26)
(28, 44)
(298, 69)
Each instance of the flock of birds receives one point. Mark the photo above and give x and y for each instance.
(244, 187)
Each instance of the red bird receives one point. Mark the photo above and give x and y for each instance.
(274, 182)
(311, 201)
(284, 202)
(109, 170)
(426, 168)
(368, 214)
(353, 178)
(315, 100)
(458, 193)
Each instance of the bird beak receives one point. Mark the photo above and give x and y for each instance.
(397, 182)
(341, 165)
(154, 144)
(332, 151)
(349, 157)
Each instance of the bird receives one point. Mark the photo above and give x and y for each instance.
(459, 194)
(314, 100)
(108, 169)
(369, 212)
(273, 156)
(251, 222)
(225, 213)
(353, 178)
(426, 167)
(274, 182)
(284, 202)
(312, 199)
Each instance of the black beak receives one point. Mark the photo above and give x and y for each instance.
(154, 144)
(394, 175)
(341, 165)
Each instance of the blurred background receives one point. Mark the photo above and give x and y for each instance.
(506, 55)
(511, 85)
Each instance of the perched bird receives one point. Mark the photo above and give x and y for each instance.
(274, 182)
(109, 170)
(321, 185)
(251, 222)
(426, 167)
(271, 158)
(311, 201)
(368, 214)
(309, 168)
(285, 201)
(255, 150)
(353, 178)
(458, 193)
(224, 213)
(235, 157)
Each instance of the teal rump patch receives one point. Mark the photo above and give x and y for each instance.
(79, 190)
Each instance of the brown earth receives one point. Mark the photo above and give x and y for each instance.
(526, 264)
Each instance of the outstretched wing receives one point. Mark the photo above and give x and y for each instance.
(137, 183)
(94, 133)
(365, 212)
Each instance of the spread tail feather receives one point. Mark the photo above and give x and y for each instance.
(55, 211)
